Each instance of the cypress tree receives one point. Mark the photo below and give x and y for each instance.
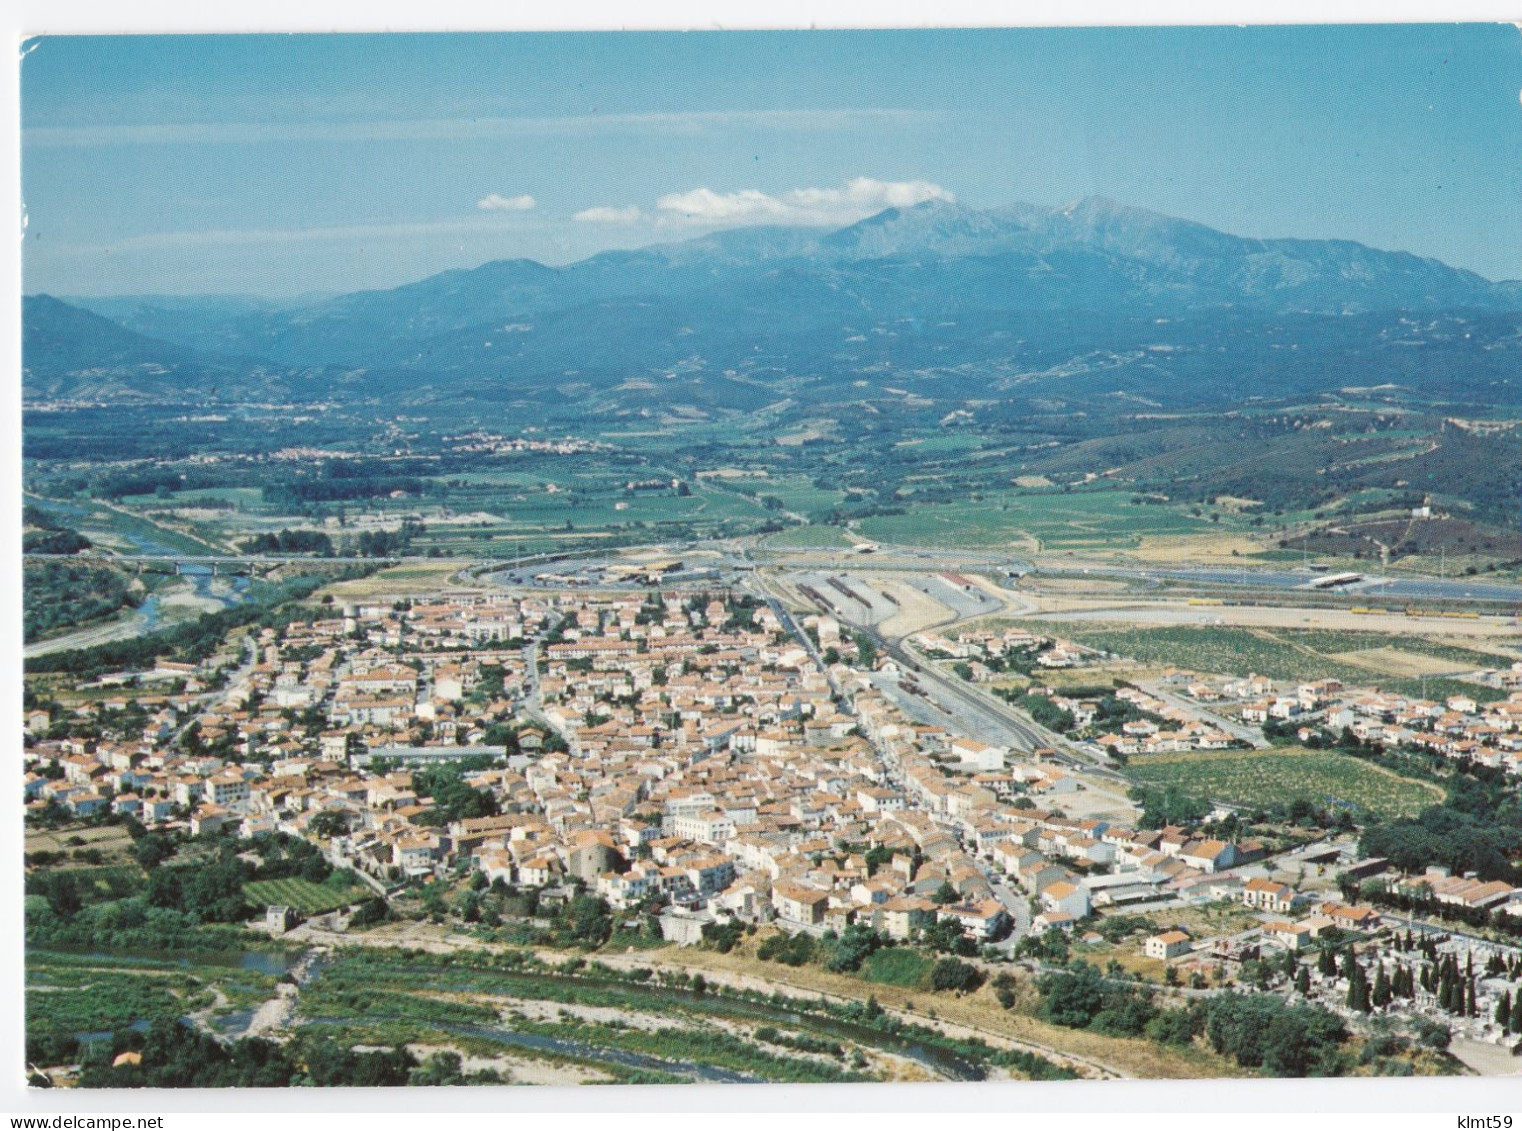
(1349, 963)
(1516, 1013)
(1303, 981)
(1326, 965)
(1381, 986)
(1503, 1011)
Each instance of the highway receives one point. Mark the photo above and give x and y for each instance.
(1372, 587)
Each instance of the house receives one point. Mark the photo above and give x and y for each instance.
(229, 791)
(799, 904)
(981, 920)
(903, 916)
(1167, 945)
(1209, 855)
(1268, 895)
(1352, 918)
(1294, 936)
(1066, 897)
(1053, 920)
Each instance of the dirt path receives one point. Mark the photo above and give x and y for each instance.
(1486, 1059)
(132, 624)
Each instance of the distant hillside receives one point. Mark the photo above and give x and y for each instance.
(1096, 295)
(71, 353)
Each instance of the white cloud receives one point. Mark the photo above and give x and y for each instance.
(494, 202)
(605, 215)
(855, 200)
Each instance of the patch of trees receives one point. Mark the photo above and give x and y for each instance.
(1263, 1031)
(1043, 710)
(954, 975)
(388, 543)
(1080, 997)
(845, 953)
(945, 936)
(724, 937)
(63, 594)
(1168, 806)
(176, 1056)
(118, 484)
(453, 798)
(1257, 1030)
(206, 892)
(54, 542)
(1475, 829)
(291, 542)
(585, 921)
(790, 950)
(341, 482)
(282, 857)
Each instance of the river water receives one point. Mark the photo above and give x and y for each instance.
(942, 1063)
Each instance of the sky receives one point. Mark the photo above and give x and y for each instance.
(306, 164)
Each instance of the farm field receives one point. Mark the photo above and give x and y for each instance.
(111, 841)
(539, 503)
(413, 578)
(1081, 521)
(302, 895)
(1244, 777)
(1357, 658)
(797, 493)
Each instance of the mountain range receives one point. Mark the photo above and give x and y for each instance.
(941, 299)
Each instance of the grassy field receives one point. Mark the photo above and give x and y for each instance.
(810, 537)
(303, 895)
(898, 966)
(1249, 777)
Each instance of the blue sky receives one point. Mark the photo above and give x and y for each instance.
(282, 165)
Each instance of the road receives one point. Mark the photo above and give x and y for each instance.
(1235, 729)
(1371, 588)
